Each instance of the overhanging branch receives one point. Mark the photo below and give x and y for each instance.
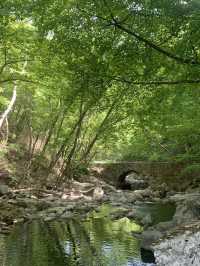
(158, 82)
(117, 24)
(152, 45)
(20, 79)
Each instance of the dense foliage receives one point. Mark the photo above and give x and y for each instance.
(101, 80)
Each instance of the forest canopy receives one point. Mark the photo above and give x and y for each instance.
(101, 80)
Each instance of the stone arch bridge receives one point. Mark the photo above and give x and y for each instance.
(115, 172)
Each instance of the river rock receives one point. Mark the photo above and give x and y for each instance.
(136, 182)
(143, 194)
(147, 220)
(98, 193)
(26, 202)
(187, 211)
(161, 190)
(180, 197)
(81, 185)
(4, 176)
(182, 250)
(44, 204)
(139, 263)
(165, 226)
(4, 189)
(131, 214)
(118, 196)
(148, 237)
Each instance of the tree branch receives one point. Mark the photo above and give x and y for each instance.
(12, 62)
(159, 82)
(20, 79)
(154, 46)
(114, 22)
(5, 60)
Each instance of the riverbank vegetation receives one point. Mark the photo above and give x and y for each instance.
(97, 80)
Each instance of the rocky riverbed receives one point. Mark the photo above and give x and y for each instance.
(28, 204)
(168, 239)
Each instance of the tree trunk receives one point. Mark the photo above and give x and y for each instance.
(98, 133)
(67, 169)
(50, 134)
(65, 142)
(7, 111)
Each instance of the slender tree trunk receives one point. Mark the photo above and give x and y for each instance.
(61, 124)
(67, 170)
(50, 133)
(7, 130)
(34, 145)
(66, 141)
(30, 142)
(20, 124)
(61, 150)
(98, 133)
(17, 114)
(9, 108)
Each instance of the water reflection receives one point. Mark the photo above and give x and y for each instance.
(97, 241)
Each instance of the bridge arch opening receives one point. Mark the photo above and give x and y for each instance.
(121, 180)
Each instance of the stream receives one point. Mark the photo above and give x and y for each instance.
(95, 241)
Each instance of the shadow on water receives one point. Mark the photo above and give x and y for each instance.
(96, 241)
(147, 256)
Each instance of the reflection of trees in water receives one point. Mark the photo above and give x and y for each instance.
(93, 242)
(2, 250)
(110, 238)
(18, 247)
(35, 244)
(86, 245)
(102, 242)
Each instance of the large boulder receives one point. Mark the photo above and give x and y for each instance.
(187, 211)
(187, 207)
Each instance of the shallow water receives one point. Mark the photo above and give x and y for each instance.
(160, 212)
(96, 241)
